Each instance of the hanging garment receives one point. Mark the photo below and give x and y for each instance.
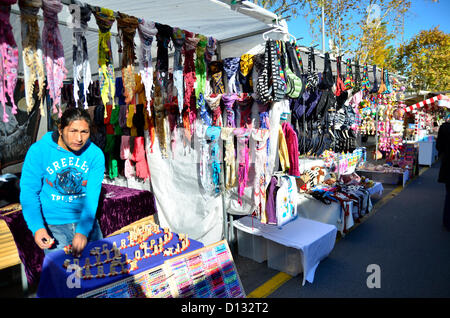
(160, 121)
(200, 66)
(365, 80)
(105, 19)
(140, 159)
(228, 101)
(292, 145)
(244, 105)
(245, 73)
(357, 86)
(9, 59)
(375, 87)
(283, 152)
(33, 66)
(53, 52)
(205, 172)
(214, 105)
(312, 78)
(349, 82)
(146, 32)
(111, 161)
(126, 27)
(231, 68)
(216, 71)
(230, 162)
(213, 135)
(204, 114)
(125, 154)
(242, 136)
(81, 66)
(162, 56)
(271, 195)
(340, 87)
(178, 39)
(261, 137)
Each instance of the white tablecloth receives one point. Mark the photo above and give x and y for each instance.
(314, 240)
(376, 190)
(311, 208)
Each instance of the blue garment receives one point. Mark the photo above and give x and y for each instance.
(60, 187)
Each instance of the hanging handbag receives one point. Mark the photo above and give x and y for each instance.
(294, 83)
(312, 78)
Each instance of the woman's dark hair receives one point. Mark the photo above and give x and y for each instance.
(71, 114)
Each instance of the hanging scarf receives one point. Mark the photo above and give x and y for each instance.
(53, 52)
(215, 69)
(242, 135)
(190, 45)
(244, 106)
(228, 101)
(211, 48)
(230, 165)
(105, 19)
(349, 82)
(245, 74)
(261, 137)
(125, 154)
(139, 158)
(159, 120)
(81, 65)
(162, 58)
(231, 67)
(146, 31)
(214, 105)
(365, 80)
(204, 114)
(212, 134)
(126, 27)
(178, 39)
(32, 52)
(9, 59)
(200, 65)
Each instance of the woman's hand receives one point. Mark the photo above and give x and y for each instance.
(78, 244)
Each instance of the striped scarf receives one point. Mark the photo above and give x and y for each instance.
(105, 19)
(81, 65)
(146, 31)
(32, 52)
(53, 52)
(126, 26)
(9, 59)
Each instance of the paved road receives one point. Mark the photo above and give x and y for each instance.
(404, 238)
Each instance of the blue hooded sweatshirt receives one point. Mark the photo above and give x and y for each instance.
(58, 186)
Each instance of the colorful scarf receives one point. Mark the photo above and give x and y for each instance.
(245, 74)
(81, 65)
(212, 134)
(244, 106)
(53, 52)
(211, 48)
(32, 52)
(215, 69)
(9, 59)
(204, 114)
(146, 31)
(231, 67)
(261, 137)
(200, 66)
(214, 105)
(349, 83)
(365, 80)
(228, 101)
(230, 162)
(105, 19)
(189, 117)
(126, 27)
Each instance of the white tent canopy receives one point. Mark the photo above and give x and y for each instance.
(237, 28)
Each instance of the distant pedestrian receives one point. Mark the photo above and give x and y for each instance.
(443, 147)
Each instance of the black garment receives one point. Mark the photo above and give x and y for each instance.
(443, 148)
(446, 218)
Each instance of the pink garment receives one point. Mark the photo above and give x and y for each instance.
(125, 154)
(292, 144)
(9, 60)
(242, 135)
(138, 156)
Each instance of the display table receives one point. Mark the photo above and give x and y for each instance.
(385, 177)
(59, 279)
(333, 214)
(298, 246)
(120, 206)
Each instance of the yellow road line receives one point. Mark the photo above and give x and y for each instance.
(279, 279)
(270, 286)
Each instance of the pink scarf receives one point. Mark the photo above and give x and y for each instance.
(9, 60)
(53, 52)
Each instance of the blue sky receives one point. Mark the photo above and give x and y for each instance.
(423, 15)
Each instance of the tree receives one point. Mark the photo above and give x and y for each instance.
(349, 24)
(425, 59)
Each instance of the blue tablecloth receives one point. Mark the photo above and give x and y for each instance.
(57, 281)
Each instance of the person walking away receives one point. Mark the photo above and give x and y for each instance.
(443, 148)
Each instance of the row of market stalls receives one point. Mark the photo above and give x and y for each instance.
(239, 131)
